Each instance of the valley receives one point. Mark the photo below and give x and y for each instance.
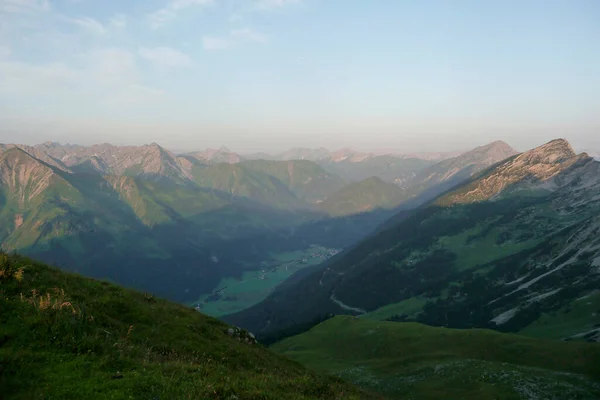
(233, 295)
(505, 250)
(120, 213)
(474, 275)
(299, 200)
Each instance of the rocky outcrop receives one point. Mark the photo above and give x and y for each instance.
(545, 168)
(241, 335)
(24, 176)
(149, 160)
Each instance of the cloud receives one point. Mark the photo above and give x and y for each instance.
(20, 6)
(5, 52)
(273, 4)
(165, 57)
(215, 43)
(106, 76)
(90, 25)
(118, 21)
(235, 37)
(235, 17)
(111, 65)
(133, 94)
(88, 72)
(248, 35)
(161, 17)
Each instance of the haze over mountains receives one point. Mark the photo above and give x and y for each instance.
(299, 200)
(129, 210)
(491, 238)
(507, 249)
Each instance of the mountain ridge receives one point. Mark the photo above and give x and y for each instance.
(430, 257)
(535, 168)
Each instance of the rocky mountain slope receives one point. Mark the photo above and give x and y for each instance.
(530, 171)
(36, 199)
(149, 160)
(430, 182)
(506, 250)
(68, 337)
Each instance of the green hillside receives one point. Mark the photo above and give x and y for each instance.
(363, 196)
(239, 181)
(306, 179)
(67, 337)
(414, 361)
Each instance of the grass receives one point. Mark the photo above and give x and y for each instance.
(414, 361)
(238, 294)
(580, 316)
(408, 307)
(484, 249)
(63, 336)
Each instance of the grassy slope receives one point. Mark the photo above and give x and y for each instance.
(363, 196)
(239, 181)
(571, 321)
(411, 360)
(306, 179)
(233, 294)
(66, 337)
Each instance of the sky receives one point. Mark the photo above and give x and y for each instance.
(254, 75)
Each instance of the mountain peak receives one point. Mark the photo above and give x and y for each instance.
(536, 168)
(498, 149)
(14, 152)
(554, 151)
(25, 176)
(500, 144)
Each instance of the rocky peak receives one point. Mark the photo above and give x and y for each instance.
(465, 165)
(500, 147)
(556, 151)
(537, 169)
(25, 176)
(154, 147)
(493, 152)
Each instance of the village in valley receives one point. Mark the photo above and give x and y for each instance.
(233, 295)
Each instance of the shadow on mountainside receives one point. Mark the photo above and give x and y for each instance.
(376, 273)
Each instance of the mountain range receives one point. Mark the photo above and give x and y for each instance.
(514, 248)
(426, 259)
(129, 210)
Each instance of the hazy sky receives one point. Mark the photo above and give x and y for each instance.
(270, 74)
